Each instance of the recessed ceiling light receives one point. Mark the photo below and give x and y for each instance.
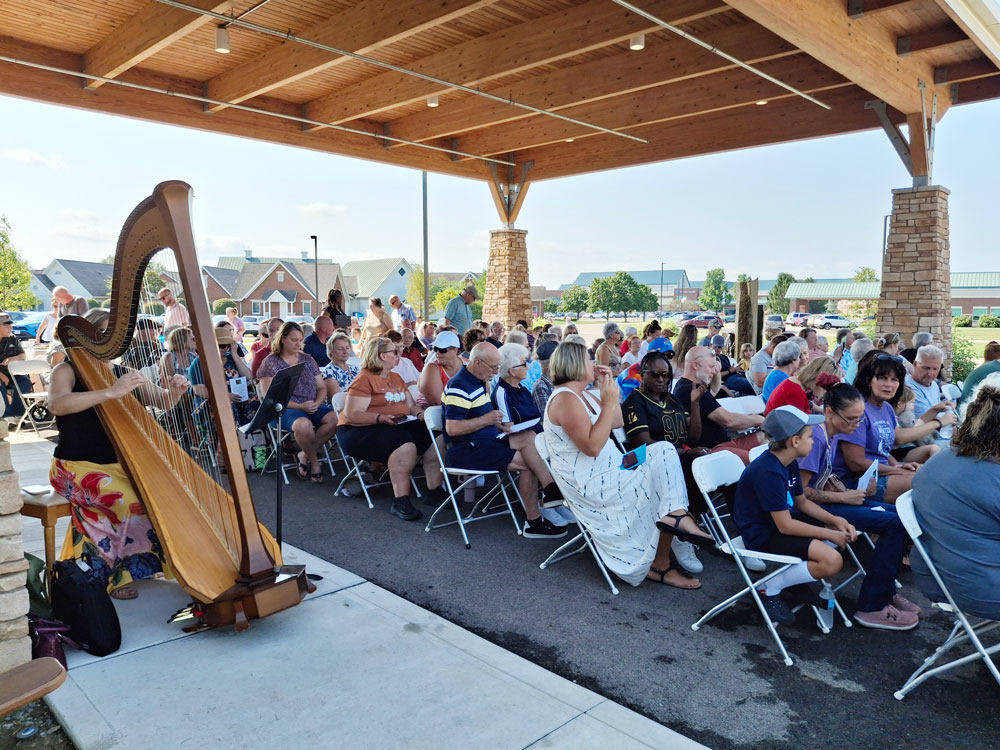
(432, 100)
(637, 42)
(570, 140)
(222, 40)
(761, 103)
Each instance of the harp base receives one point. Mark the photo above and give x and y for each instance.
(241, 604)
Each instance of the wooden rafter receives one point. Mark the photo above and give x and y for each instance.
(621, 74)
(152, 28)
(361, 28)
(860, 8)
(559, 35)
(965, 71)
(862, 49)
(634, 112)
(922, 41)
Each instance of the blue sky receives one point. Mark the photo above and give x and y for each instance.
(69, 178)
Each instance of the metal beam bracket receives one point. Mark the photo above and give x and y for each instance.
(509, 194)
(895, 136)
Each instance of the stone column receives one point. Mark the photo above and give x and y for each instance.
(15, 648)
(508, 293)
(916, 270)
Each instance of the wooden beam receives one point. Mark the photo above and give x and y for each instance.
(65, 90)
(863, 50)
(612, 76)
(569, 32)
(634, 112)
(918, 145)
(781, 121)
(861, 8)
(976, 90)
(142, 35)
(921, 41)
(362, 28)
(968, 70)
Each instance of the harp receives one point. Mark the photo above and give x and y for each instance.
(210, 535)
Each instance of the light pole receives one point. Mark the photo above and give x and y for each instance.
(659, 297)
(316, 262)
(427, 278)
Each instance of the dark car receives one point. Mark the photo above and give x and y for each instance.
(703, 321)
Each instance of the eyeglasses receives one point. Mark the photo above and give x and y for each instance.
(658, 374)
(389, 351)
(521, 364)
(850, 422)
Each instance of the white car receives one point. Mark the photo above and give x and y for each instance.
(831, 321)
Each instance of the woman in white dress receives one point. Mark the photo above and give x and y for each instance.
(632, 514)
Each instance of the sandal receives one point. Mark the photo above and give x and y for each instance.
(301, 468)
(316, 478)
(693, 583)
(675, 529)
(123, 593)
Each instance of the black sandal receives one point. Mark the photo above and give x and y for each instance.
(685, 536)
(316, 478)
(663, 577)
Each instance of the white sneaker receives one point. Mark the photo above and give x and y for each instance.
(754, 564)
(566, 513)
(553, 516)
(684, 551)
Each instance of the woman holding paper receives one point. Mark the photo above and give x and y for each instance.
(510, 397)
(244, 400)
(632, 513)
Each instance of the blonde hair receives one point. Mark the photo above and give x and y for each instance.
(979, 435)
(177, 337)
(568, 363)
(338, 336)
(370, 359)
(807, 375)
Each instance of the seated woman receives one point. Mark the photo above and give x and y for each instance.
(891, 344)
(177, 360)
(375, 426)
(804, 387)
(632, 514)
(306, 416)
(109, 529)
(233, 366)
(652, 415)
(339, 373)
(470, 338)
(880, 381)
(687, 338)
(435, 375)
(631, 355)
(957, 501)
(606, 355)
(787, 360)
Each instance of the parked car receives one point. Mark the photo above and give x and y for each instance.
(774, 321)
(797, 319)
(831, 321)
(252, 323)
(26, 325)
(729, 318)
(703, 320)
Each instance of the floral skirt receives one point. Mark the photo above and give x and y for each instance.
(109, 528)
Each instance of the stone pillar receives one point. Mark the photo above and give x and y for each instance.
(508, 293)
(916, 270)
(15, 648)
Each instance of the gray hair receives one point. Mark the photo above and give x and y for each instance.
(930, 352)
(631, 331)
(785, 353)
(516, 337)
(609, 328)
(800, 342)
(496, 325)
(575, 338)
(557, 332)
(511, 355)
(860, 348)
(922, 338)
(822, 340)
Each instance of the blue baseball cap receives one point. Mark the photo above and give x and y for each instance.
(786, 421)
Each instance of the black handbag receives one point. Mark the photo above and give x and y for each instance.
(84, 604)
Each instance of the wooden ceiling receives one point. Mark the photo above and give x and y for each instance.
(570, 57)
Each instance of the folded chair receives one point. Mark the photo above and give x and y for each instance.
(581, 541)
(456, 479)
(354, 469)
(964, 629)
(712, 473)
(35, 403)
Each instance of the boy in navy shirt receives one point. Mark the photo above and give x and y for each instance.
(769, 489)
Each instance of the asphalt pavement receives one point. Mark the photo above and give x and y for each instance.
(724, 686)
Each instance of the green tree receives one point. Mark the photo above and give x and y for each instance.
(863, 309)
(865, 273)
(576, 299)
(715, 293)
(963, 358)
(415, 289)
(620, 293)
(15, 276)
(551, 306)
(645, 300)
(220, 305)
(743, 277)
(777, 303)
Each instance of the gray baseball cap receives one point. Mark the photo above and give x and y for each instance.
(718, 341)
(786, 421)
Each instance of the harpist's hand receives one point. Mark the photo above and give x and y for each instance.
(126, 384)
(178, 384)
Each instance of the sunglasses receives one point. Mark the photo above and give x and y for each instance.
(661, 375)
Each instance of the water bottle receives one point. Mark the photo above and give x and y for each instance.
(826, 610)
(946, 431)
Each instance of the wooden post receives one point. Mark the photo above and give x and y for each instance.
(747, 319)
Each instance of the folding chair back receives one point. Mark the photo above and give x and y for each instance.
(963, 629)
(952, 391)
(32, 401)
(755, 452)
(338, 402)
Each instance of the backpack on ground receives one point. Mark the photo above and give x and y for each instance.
(84, 604)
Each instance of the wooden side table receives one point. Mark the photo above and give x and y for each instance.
(48, 508)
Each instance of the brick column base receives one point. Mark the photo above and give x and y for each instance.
(916, 270)
(508, 293)
(15, 647)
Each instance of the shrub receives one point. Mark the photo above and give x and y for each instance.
(154, 308)
(963, 358)
(961, 321)
(220, 305)
(94, 303)
(989, 321)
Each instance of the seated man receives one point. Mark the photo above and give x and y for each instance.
(145, 351)
(713, 330)
(11, 350)
(768, 491)
(315, 343)
(474, 439)
(405, 369)
(701, 366)
(924, 383)
(729, 370)
(921, 338)
(267, 331)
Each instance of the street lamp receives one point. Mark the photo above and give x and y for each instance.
(660, 297)
(316, 262)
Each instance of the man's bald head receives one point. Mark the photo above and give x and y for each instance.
(323, 326)
(700, 364)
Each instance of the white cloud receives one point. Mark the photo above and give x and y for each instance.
(26, 156)
(84, 230)
(77, 214)
(321, 209)
(214, 245)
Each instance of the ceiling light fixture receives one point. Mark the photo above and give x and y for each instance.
(761, 103)
(637, 42)
(432, 100)
(222, 39)
(570, 140)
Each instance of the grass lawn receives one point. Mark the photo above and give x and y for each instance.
(978, 336)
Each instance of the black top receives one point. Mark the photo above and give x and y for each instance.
(496, 342)
(712, 433)
(663, 420)
(9, 347)
(82, 436)
(910, 355)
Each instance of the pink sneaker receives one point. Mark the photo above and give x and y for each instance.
(887, 618)
(903, 604)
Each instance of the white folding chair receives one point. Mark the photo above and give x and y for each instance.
(712, 473)
(483, 508)
(277, 451)
(581, 541)
(354, 469)
(755, 452)
(963, 630)
(951, 391)
(33, 401)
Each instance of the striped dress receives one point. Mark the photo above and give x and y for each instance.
(618, 507)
